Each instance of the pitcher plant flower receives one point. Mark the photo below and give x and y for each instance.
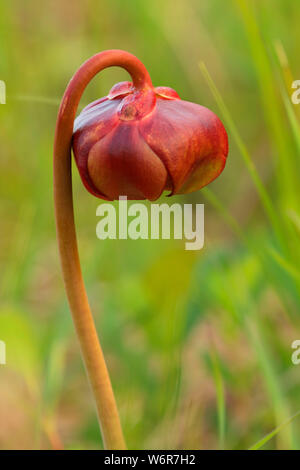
(138, 141)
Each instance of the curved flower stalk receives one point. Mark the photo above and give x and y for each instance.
(136, 142)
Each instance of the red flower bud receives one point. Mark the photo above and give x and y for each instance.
(139, 141)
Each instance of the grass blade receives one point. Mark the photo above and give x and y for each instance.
(229, 122)
(273, 433)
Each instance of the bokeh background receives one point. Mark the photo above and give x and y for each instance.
(198, 344)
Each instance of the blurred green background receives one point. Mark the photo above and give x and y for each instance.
(198, 344)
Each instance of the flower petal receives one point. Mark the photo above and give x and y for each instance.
(205, 172)
(120, 89)
(90, 127)
(123, 164)
(166, 93)
(183, 134)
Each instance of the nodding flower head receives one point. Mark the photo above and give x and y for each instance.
(141, 141)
